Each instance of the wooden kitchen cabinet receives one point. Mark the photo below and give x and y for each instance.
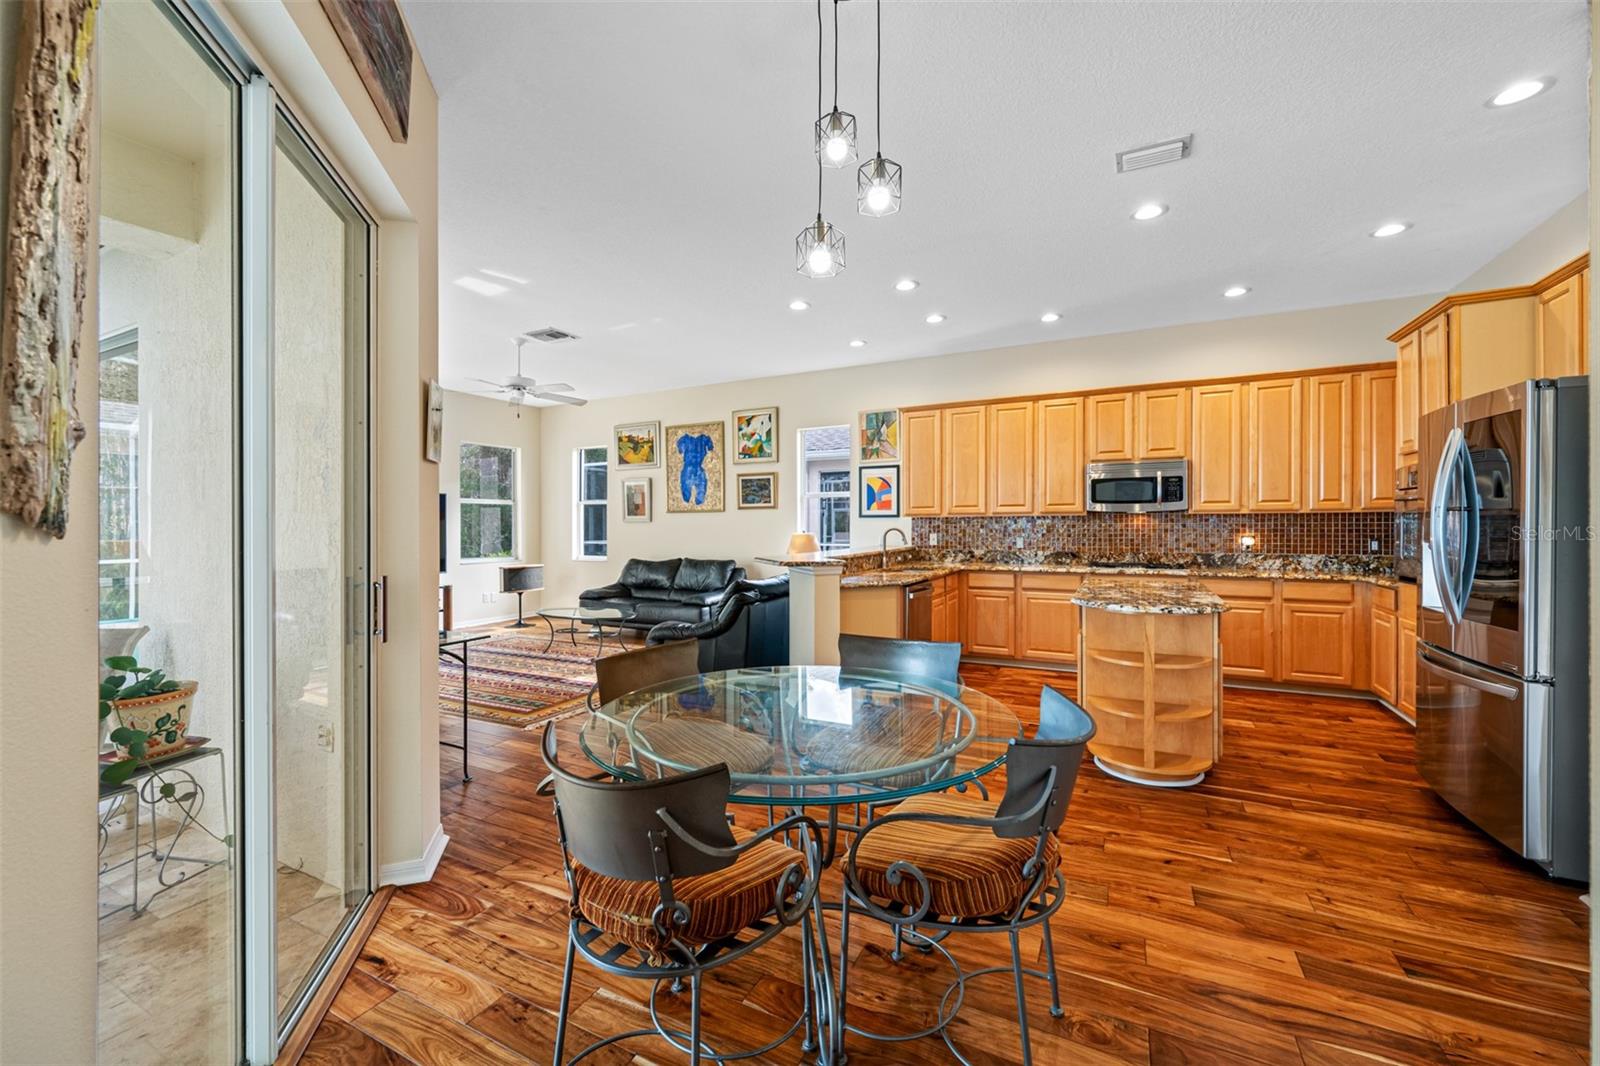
(1011, 438)
(966, 459)
(1276, 451)
(1405, 697)
(1433, 363)
(939, 628)
(1330, 442)
(1216, 452)
(1110, 427)
(1047, 619)
(1377, 454)
(1058, 475)
(1561, 345)
(921, 440)
(1161, 423)
(1249, 627)
(1407, 398)
(1317, 633)
(990, 609)
(1384, 644)
(1492, 345)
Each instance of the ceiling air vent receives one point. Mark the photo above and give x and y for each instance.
(1153, 155)
(550, 335)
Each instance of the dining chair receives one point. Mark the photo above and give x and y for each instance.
(629, 671)
(943, 863)
(927, 659)
(1060, 717)
(664, 889)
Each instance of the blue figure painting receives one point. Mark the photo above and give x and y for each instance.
(699, 462)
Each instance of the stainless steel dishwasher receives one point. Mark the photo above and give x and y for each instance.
(919, 611)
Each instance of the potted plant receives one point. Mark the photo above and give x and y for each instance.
(152, 712)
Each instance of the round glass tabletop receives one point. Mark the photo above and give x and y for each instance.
(584, 614)
(811, 733)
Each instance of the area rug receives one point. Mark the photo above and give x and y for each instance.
(515, 680)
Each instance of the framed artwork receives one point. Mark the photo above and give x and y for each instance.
(879, 435)
(636, 499)
(694, 467)
(374, 37)
(755, 435)
(433, 437)
(880, 491)
(758, 490)
(639, 445)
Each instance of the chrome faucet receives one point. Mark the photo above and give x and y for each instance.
(883, 561)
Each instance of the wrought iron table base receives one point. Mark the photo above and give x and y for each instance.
(189, 797)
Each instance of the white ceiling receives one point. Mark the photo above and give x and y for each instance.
(646, 166)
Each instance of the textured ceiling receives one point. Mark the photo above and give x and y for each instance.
(646, 166)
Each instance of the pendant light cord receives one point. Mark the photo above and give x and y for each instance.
(836, 55)
(819, 104)
(878, 10)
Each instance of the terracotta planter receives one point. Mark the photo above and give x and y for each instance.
(162, 716)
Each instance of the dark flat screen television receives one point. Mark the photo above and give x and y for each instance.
(443, 541)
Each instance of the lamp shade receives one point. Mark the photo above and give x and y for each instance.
(528, 577)
(802, 544)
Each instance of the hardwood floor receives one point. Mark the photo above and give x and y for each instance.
(1311, 903)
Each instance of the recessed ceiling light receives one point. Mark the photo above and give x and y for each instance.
(1389, 229)
(481, 287)
(905, 284)
(1049, 316)
(858, 344)
(1233, 292)
(798, 305)
(1145, 212)
(503, 276)
(1518, 91)
(934, 319)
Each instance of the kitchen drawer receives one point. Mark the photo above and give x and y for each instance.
(1240, 588)
(1385, 599)
(985, 579)
(1051, 582)
(1319, 591)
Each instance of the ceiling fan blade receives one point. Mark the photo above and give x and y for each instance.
(559, 397)
(560, 386)
(485, 381)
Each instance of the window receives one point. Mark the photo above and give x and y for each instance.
(119, 477)
(825, 499)
(488, 502)
(589, 475)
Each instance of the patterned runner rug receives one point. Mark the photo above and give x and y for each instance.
(515, 680)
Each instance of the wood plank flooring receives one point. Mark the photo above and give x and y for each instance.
(1311, 903)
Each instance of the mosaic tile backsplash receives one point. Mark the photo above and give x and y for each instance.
(1100, 534)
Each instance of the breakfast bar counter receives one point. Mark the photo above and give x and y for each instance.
(1150, 674)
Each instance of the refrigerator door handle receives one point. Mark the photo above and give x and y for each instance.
(1482, 684)
(1436, 508)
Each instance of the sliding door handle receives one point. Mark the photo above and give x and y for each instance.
(380, 609)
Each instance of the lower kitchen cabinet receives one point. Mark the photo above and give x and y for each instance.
(990, 614)
(1047, 619)
(947, 609)
(1406, 652)
(1249, 627)
(1384, 638)
(1317, 631)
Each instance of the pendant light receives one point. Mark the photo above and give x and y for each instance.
(878, 179)
(836, 131)
(819, 248)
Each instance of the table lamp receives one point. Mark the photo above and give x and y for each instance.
(528, 577)
(803, 544)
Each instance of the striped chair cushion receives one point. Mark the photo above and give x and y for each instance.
(878, 742)
(720, 904)
(690, 743)
(971, 872)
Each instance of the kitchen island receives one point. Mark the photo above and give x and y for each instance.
(1150, 674)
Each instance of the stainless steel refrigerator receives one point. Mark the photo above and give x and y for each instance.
(1503, 635)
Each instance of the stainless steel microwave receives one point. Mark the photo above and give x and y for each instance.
(1152, 485)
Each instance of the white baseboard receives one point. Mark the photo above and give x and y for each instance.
(416, 871)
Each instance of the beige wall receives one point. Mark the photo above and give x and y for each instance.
(1301, 339)
(1594, 571)
(481, 420)
(1559, 239)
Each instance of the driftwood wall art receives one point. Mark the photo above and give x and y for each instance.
(374, 36)
(47, 245)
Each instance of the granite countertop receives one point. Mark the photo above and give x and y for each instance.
(804, 560)
(910, 574)
(1148, 597)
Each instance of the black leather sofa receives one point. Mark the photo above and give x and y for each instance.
(750, 628)
(667, 590)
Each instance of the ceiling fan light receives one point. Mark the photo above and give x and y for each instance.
(819, 250)
(835, 135)
(878, 187)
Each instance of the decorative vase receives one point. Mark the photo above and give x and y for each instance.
(164, 716)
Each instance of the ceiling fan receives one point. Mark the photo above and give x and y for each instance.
(519, 389)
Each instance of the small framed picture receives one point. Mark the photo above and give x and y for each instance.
(878, 435)
(433, 437)
(880, 491)
(638, 445)
(636, 499)
(755, 435)
(758, 490)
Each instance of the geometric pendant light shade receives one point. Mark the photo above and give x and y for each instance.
(819, 250)
(878, 187)
(835, 139)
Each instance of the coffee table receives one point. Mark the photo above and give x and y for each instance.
(596, 618)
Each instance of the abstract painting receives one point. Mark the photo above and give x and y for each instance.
(880, 491)
(636, 499)
(638, 445)
(46, 267)
(694, 467)
(755, 435)
(758, 490)
(880, 434)
(374, 37)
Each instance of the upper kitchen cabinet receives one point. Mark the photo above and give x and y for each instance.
(1433, 363)
(1377, 452)
(1110, 422)
(1276, 445)
(1010, 488)
(966, 459)
(1561, 346)
(1216, 452)
(1161, 423)
(1058, 475)
(1492, 345)
(1330, 442)
(1407, 398)
(921, 442)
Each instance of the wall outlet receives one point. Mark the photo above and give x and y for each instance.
(1372, 545)
(933, 540)
(325, 737)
